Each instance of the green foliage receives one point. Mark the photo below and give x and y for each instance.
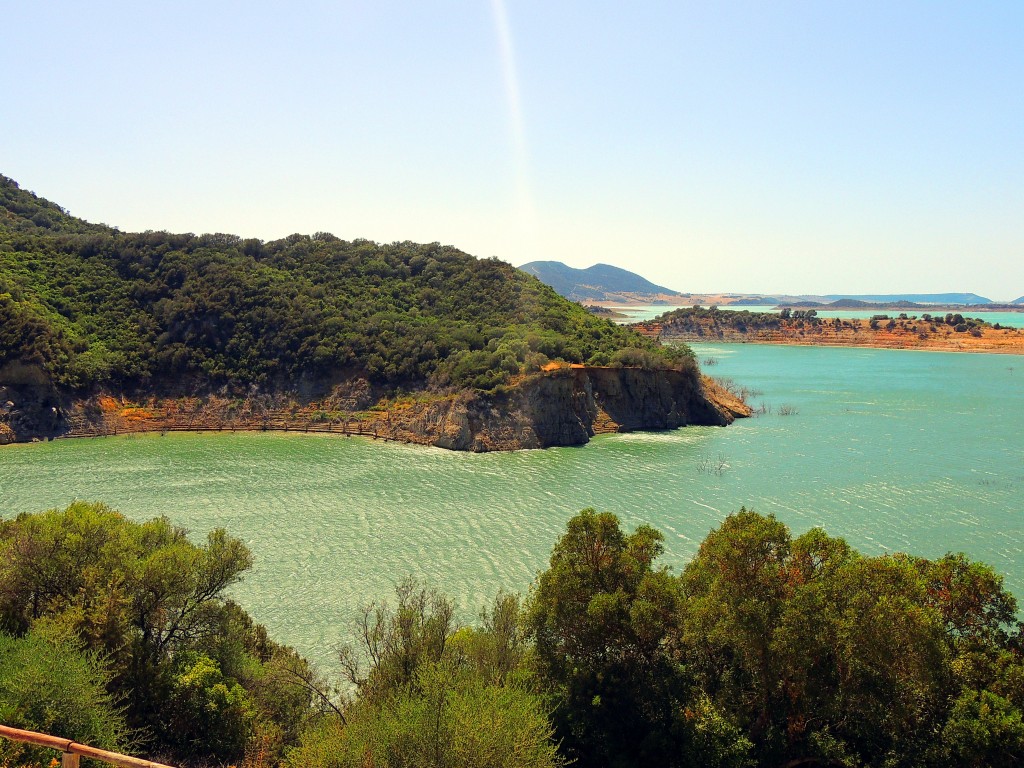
(192, 671)
(984, 729)
(214, 711)
(601, 617)
(698, 320)
(397, 641)
(434, 695)
(821, 654)
(451, 718)
(498, 651)
(23, 211)
(774, 650)
(93, 306)
(50, 686)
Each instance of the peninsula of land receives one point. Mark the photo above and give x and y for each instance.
(104, 332)
(563, 406)
(950, 332)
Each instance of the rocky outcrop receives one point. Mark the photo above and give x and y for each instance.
(29, 410)
(724, 400)
(568, 407)
(560, 407)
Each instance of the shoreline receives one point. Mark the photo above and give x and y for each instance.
(890, 333)
(561, 407)
(298, 432)
(843, 344)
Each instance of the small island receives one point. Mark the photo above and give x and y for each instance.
(948, 332)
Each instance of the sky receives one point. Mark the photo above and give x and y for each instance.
(780, 147)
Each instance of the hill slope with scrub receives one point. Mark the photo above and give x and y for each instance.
(86, 309)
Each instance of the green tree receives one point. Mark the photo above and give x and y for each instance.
(821, 655)
(210, 714)
(984, 730)
(434, 695)
(189, 667)
(47, 685)
(734, 601)
(601, 617)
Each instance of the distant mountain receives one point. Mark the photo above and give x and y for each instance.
(751, 299)
(601, 282)
(858, 304)
(919, 298)
(1018, 301)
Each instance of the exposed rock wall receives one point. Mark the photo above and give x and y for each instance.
(29, 411)
(556, 408)
(567, 407)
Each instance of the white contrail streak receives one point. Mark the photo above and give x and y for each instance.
(524, 197)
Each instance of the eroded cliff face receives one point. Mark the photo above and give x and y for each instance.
(557, 408)
(29, 410)
(568, 407)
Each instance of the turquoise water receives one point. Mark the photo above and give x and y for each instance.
(640, 313)
(914, 451)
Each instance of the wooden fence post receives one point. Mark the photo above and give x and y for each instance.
(69, 760)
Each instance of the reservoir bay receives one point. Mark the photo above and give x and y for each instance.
(893, 450)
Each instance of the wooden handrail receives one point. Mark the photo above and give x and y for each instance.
(72, 750)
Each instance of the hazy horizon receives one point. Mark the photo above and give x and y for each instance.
(773, 293)
(741, 147)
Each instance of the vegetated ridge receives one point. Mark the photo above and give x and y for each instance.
(949, 332)
(103, 331)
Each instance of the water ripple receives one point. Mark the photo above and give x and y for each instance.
(900, 459)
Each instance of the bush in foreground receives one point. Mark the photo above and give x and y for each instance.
(768, 649)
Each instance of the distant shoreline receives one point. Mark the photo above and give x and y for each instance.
(710, 299)
(723, 326)
(794, 343)
(899, 307)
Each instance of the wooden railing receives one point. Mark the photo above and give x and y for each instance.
(72, 751)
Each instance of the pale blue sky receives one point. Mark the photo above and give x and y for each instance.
(802, 147)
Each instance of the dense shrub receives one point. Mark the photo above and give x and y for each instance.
(188, 671)
(49, 685)
(89, 305)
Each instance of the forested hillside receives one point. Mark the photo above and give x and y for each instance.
(85, 305)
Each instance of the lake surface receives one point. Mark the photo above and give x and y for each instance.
(894, 450)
